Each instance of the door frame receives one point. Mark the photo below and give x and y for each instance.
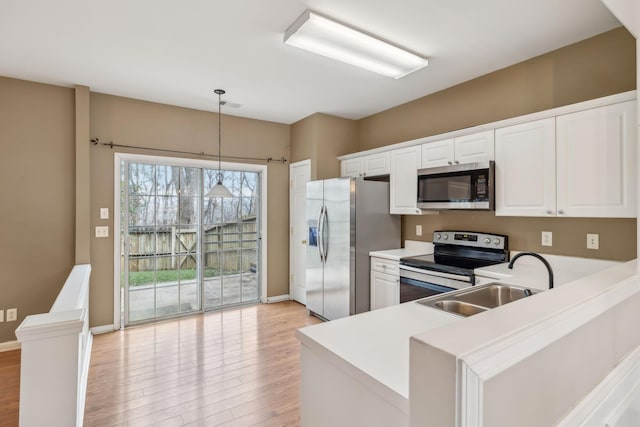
(179, 161)
(292, 252)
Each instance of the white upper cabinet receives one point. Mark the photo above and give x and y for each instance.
(352, 167)
(370, 165)
(477, 147)
(403, 180)
(581, 164)
(525, 169)
(596, 162)
(438, 153)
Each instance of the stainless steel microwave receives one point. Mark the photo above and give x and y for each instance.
(465, 186)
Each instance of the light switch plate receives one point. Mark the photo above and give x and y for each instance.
(1, 315)
(547, 238)
(104, 213)
(418, 230)
(102, 231)
(12, 314)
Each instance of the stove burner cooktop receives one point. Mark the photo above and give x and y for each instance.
(459, 252)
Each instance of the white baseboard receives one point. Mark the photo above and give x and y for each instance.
(278, 298)
(104, 329)
(9, 346)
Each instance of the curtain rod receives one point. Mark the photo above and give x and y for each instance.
(96, 141)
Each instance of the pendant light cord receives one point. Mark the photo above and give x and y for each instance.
(220, 92)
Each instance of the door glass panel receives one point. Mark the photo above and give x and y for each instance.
(184, 251)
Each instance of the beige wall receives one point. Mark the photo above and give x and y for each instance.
(600, 66)
(132, 122)
(617, 236)
(38, 204)
(303, 142)
(322, 138)
(596, 67)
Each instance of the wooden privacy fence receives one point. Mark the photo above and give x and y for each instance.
(228, 247)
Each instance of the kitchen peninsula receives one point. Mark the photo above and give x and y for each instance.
(400, 365)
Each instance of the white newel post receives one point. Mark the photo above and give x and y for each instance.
(56, 349)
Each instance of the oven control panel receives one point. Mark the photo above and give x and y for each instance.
(470, 238)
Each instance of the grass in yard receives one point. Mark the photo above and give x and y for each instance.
(137, 278)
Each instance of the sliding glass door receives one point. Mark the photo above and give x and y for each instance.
(183, 251)
(231, 241)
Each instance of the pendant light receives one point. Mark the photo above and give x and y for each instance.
(219, 190)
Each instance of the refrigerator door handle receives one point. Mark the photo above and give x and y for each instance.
(325, 235)
(320, 239)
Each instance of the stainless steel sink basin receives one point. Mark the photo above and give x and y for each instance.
(474, 300)
(492, 295)
(459, 307)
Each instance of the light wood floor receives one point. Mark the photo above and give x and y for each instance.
(9, 387)
(238, 367)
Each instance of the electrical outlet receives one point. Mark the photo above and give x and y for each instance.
(102, 231)
(104, 213)
(12, 314)
(1, 315)
(547, 238)
(593, 241)
(418, 230)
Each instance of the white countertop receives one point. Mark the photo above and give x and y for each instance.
(375, 344)
(411, 248)
(373, 347)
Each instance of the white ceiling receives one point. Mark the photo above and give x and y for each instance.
(177, 52)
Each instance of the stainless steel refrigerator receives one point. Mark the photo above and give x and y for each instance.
(346, 218)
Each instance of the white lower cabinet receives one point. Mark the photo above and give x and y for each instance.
(385, 283)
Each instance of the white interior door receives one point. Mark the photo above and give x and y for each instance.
(299, 174)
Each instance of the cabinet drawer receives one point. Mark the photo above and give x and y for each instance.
(383, 265)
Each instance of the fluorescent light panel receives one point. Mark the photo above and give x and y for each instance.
(325, 37)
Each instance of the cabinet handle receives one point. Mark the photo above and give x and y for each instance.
(549, 212)
(304, 242)
(457, 162)
(449, 162)
(560, 212)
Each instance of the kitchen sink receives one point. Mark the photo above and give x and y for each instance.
(477, 299)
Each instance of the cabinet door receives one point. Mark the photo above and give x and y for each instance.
(477, 147)
(403, 180)
(376, 164)
(352, 167)
(385, 290)
(525, 169)
(439, 153)
(596, 162)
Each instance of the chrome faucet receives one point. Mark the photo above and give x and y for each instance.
(544, 261)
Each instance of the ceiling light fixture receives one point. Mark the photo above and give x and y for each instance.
(219, 190)
(323, 36)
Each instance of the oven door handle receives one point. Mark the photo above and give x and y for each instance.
(427, 272)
